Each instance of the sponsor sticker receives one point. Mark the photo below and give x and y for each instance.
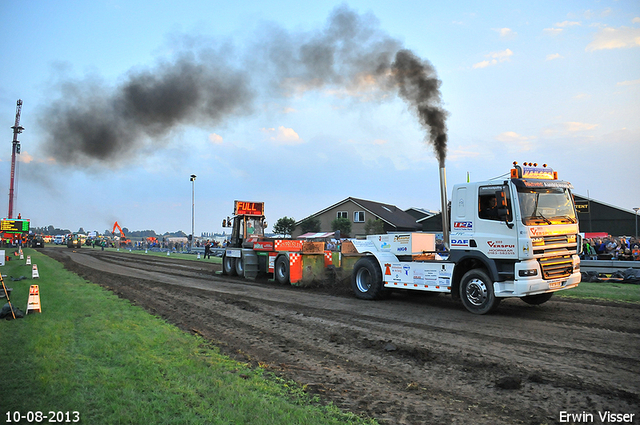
(459, 242)
(501, 248)
(463, 225)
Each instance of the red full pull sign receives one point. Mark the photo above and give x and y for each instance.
(249, 208)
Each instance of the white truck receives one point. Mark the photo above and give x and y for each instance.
(516, 237)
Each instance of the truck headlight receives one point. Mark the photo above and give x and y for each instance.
(528, 273)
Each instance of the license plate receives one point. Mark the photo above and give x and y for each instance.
(554, 285)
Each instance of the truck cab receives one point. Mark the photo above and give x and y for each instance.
(522, 231)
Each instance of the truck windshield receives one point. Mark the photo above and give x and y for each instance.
(546, 206)
(254, 227)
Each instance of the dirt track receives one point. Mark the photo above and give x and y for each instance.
(407, 360)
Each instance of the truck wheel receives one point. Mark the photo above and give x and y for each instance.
(229, 266)
(537, 299)
(366, 279)
(281, 270)
(240, 267)
(476, 292)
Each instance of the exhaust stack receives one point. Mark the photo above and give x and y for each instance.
(444, 205)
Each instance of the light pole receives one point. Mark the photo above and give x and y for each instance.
(636, 214)
(193, 209)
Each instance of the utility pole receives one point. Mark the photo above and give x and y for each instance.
(193, 209)
(636, 214)
(17, 129)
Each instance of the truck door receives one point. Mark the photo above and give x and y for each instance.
(495, 233)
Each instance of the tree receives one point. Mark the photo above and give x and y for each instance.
(310, 224)
(342, 224)
(374, 227)
(284, 226)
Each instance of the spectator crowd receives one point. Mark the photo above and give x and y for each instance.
(610, 248)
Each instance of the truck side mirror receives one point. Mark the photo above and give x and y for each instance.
(503, 208)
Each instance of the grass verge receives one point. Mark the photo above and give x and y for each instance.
(607, 291)
(96, 354)
(174, 255)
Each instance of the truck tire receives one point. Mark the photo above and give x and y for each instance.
(476, 292)
(228, 265)
(281, 270)
(366, 279)
(537, 299)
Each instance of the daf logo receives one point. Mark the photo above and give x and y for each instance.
(459, 242)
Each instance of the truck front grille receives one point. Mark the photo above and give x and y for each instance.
(556, 245)
(556, 267)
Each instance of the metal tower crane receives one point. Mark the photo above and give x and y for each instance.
(17, 129)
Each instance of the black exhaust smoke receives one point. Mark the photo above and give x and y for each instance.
(90, 123)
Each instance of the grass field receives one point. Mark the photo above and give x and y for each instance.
(93, 353)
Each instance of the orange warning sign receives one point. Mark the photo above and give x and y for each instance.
(34, 300)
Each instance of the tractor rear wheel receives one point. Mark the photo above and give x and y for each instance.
(366, 279)
(281, 270)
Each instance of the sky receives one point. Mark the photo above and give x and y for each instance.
(303, 104)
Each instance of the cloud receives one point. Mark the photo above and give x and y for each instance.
(628, 83)
(567, 24)
(615, 38)
(505, 32)
(463, 152)
(283, 136)
(573, 127)
(554, 56)
(515, 142)
(482, 64)
(636, 20)
(25, 157)
(494, 59)
(552, 31)
(511, 136)
(590, 14)
(216, 139)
